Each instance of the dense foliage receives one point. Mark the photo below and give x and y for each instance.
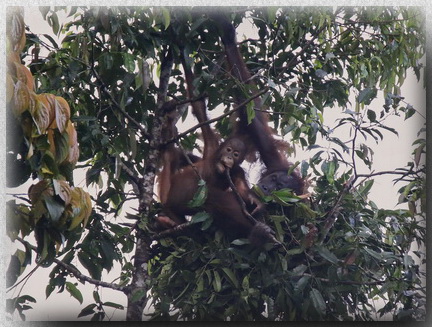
(341, 252)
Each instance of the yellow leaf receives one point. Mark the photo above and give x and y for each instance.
(89, 207)
(46, 171)
(16, 28)
(30, 151)
(62, 113)
(73, 154)
(22, 98)
(71, 131)
(51, 142)
(73, 143)
(13, 58)
(24, 75)
(49, 101)
(41, 113)
(81, 207)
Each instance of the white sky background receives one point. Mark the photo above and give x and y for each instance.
(394, 151)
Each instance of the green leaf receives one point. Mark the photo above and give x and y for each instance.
(326, 254)
(371, 115)
(200, 195)
(318, 301)
(15, 268)
(364, 189)
(49, 289)
(304, 168)
(113, 305)
(51, 39)
(74, 291)
(299, 270)
(330, 169)
(137, 295)
(250, 111)
(129, 62)
(91, 265)
(166, 16)
(231, 276)
(245, 283)
(366, 95)
(54, 23)
(96, 296)
(88, 310)
(301, 284)
(200, 217)
(409, 111)
(217, 283)
(61, 141)
(294, 251)
(44, 11)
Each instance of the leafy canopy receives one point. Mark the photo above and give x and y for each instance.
(341, 251)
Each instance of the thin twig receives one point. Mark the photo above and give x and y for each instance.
(132, 175)
(190, 163)
(383, 173)
(239, 198)
(24, 278)
(179, 229)
(344, 282)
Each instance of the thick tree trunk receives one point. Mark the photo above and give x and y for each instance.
(137, 290)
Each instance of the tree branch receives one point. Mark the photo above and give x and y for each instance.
(85, 278)
(331, 215)
(190, 130)
(74, 271)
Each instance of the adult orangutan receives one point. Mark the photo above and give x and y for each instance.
(258, 131)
